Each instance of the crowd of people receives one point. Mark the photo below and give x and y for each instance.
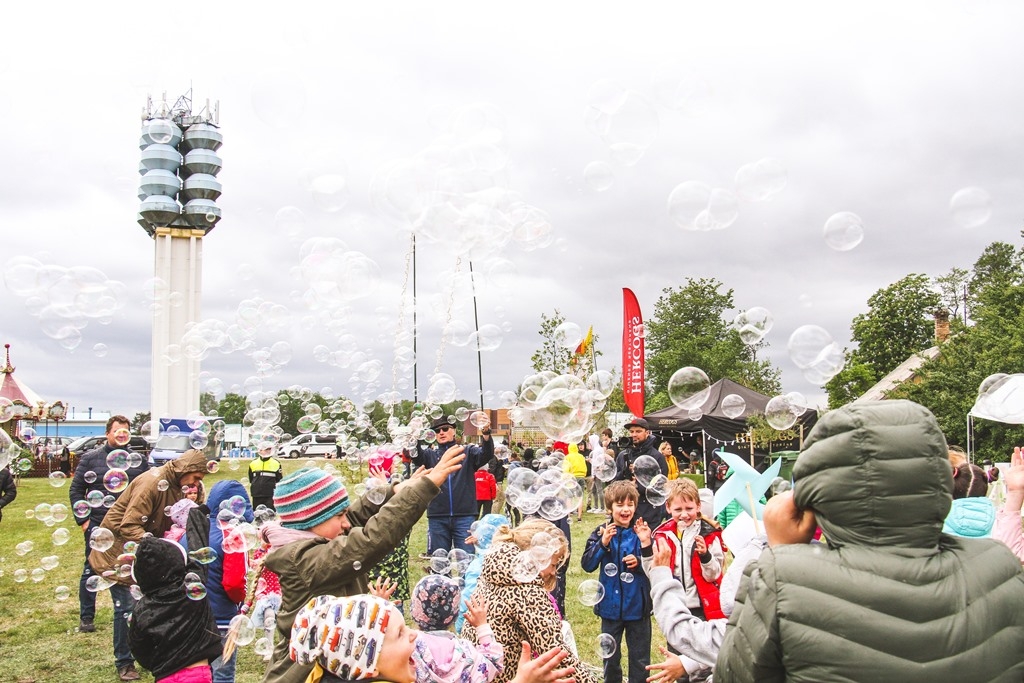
(885, 561)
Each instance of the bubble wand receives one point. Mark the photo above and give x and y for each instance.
(236, 624)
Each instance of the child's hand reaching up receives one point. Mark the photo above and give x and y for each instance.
(476, 611)
(700, 546)
(643, 531)
(383, 588)
(662, 553)
(608, 532)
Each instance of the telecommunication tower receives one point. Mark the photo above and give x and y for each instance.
(179, 191)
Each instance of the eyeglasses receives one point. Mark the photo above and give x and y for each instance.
(445, 428)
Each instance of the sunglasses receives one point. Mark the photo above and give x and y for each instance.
(445, 428)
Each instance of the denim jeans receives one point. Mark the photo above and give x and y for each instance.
(224, 672)
(449, 532)
(638, 642)
(124, 603)
(86, 599)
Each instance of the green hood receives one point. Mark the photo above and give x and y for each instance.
(876, 474)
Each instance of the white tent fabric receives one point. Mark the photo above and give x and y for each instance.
(1002, 400)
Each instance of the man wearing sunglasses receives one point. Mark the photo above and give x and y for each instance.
(451, 513)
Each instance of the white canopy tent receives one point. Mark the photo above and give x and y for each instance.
(1001, 399)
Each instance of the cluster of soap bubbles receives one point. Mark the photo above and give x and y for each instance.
(753, 324)
(1001, 396)
(564, 407)
(456, 191)
(64, 300)
(544, 549)
(648, 476)
(551, 492)
(819, 357)
(453, 563)
(696, 206)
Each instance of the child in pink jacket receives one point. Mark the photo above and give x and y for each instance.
(441, 657)
(1008, 522)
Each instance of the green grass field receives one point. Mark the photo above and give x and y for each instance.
(38, 633)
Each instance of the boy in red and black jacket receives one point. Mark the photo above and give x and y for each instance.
(486, 492)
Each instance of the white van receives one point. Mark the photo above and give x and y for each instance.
(309, 446)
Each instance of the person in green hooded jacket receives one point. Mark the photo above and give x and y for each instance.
(890, 597)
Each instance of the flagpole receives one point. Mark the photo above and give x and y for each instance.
(476, 322)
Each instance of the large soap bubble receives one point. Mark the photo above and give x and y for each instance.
(689, 388)
(812, 349)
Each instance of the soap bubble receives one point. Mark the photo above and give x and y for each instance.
(57, 479)
(121, 436)
(844, 231)
(90, 477)
(94, 499)
(780, 413)
(611, 569)
(696, 206)
(780, 485)
(590, 592)
(195, 591)
(605, 645)
(27, 434)
(357, 565)
(97, 583)
(203, 555)
(61, 593)
(244, 628)
(568, 335)
(49, 562)
(101, 539)
(525, 569)
(135, 592)
(115, 480)
(733, 406)
(657, 492)
(60, 536)
(439, 562)
(81, 508)
(212, 466)
(753, 324)
(626, 577)
(812, 349)
(689, 388)
(117, 459)
(971, 207)
(760, 180)
(162, 485)
(24, 548)
(262, 647)
(20, 575)
(58, 512)
(645, 469)
(376, 491)
(603, 466)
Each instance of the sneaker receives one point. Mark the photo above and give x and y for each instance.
(128, 673)
(86, 626)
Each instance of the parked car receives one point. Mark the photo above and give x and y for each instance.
(84, 444)
(175, 438)
(309, 445)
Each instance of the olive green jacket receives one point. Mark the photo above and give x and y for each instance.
(315, 566)
(890, 598)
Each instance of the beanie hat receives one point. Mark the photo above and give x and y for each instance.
(179, 511)
(308, 497)
(342, 635)
(435, 602)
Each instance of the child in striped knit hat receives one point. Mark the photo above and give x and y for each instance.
(324, 544)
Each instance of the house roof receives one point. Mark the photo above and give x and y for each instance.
(904, 371)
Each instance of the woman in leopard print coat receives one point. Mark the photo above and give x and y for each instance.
(518, 610)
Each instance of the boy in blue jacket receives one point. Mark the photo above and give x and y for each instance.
(614, 549)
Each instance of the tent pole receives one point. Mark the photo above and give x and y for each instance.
(969, 433)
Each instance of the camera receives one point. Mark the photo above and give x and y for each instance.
(624, 442)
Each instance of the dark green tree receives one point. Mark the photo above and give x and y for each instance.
(551, 355)
(898, 323)
(689, 327)
(138, 421)
(208, 403)
(231, 408)
(948, 385)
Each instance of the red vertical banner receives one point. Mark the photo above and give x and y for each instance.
(632, 354)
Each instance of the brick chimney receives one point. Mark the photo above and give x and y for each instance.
(941, 325)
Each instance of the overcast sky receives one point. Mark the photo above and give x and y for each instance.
(885, 110)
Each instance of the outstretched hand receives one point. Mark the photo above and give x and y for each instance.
(643, 531)
(785, 523)
(669, 670)
(543, 669)
(383, 588)
(449, 463)
(662, 553)
(476, 610)
(1014, 480)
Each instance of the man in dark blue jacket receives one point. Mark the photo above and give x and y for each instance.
(91, 477)
(453, 510)
(641, 443)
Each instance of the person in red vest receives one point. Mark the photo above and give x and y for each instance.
(486, 492)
